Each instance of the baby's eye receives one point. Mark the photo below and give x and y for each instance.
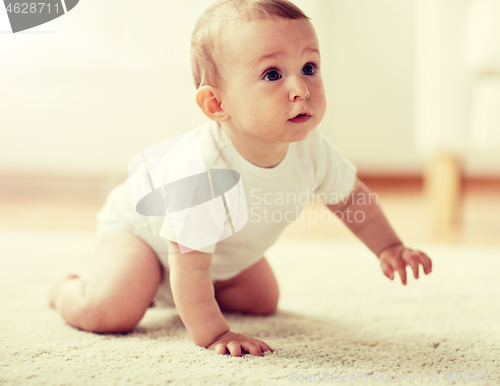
(309, 69)
(272, 75)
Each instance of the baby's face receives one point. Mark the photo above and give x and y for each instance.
(271, 75)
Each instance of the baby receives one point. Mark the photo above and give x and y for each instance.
(256, 66)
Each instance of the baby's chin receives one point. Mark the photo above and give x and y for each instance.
(299, 135)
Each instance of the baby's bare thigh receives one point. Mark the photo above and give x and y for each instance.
(254, 290)
(125, 272)
(257, 274)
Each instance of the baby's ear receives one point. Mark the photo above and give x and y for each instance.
(207, 98)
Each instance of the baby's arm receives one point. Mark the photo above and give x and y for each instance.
(377, 234)
(194, 298)
(193, 294)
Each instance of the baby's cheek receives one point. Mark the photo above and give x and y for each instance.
(321, 106)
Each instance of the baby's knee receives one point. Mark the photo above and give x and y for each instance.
(270, 307)
(265, 309)
(99, 317)
(267, 303)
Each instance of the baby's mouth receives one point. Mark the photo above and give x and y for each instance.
(300, 118)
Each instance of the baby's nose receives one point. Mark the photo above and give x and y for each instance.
(299, 90)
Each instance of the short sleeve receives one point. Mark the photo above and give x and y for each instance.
(167, 232)
(335, 175)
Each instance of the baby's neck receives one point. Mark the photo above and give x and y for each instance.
(257, 151)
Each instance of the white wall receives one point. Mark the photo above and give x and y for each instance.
(84, 93)
(371, 96)
(110, 79)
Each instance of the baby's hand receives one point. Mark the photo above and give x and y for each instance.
(398, 257)
(237, 344)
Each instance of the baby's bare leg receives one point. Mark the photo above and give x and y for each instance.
(254, 290)
(122, 282)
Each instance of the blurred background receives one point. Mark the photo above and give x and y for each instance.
(413, 92)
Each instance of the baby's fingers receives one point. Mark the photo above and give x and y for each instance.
(264, 346)
(387, 270)
(251, 348)
(402, 274)
(426, 262)
(220, 349)
(401, 268)
(234, 348)
(413, 261)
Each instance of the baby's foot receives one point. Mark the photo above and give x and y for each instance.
(57, 287)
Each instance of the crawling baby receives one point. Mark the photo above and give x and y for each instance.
(257, 69)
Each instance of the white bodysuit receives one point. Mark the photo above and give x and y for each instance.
(275, 197)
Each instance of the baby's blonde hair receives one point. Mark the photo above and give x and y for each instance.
(206, 47)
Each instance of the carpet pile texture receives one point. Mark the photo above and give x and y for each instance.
(339, 321)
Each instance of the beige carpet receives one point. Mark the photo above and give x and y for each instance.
(339, 318)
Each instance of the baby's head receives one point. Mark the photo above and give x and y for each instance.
(256, 67)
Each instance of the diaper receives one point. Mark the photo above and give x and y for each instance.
(119, 213)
